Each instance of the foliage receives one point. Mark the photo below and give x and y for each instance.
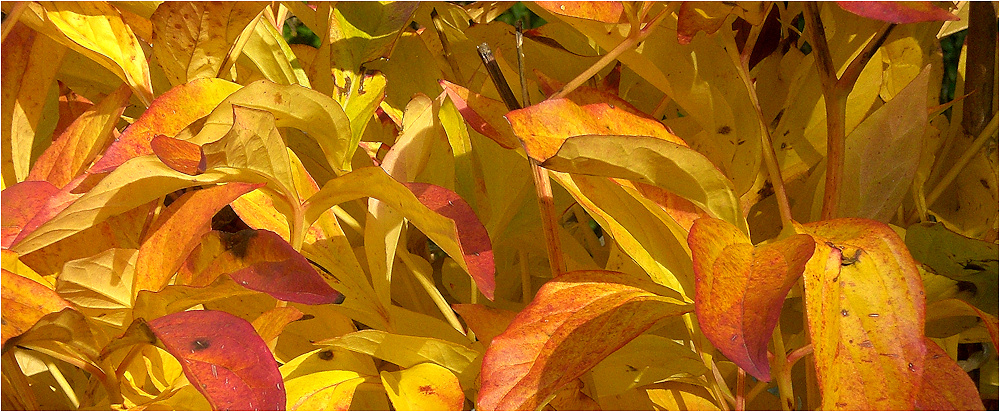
(756, 205)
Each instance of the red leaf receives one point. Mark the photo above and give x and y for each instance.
(180, 155)
(740, 289)
(472, 236)
(946, 386)
(55, 203)
(267, 263)
(20, 203)
(224, 359)
(899, 12)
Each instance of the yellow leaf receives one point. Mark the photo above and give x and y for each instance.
(423, 387)
(101, 287)
(323, 379)
(96, 29)
(30, 62)
(193, 40)
(254, 144)
(865, 304)
(267, 51)
(25, 301)
(646, 359)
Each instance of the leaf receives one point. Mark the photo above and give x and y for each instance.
(605, 12)
(485, 322)
(261, 260)
(68, 329)
(80, 143)
(318, 115)
(709, 16)
(170, 113)
(322, 379)
(865, 305)
(100, 287)
(245, 376)
(442, 230)
(362, 32)
(25, 302)
(180, 155)
(96, 29)
(139, 181)
(741, 288)
(30, 64)
(192, 40)
(899, 12)
(254, 144)
(959, 258)
(658, 162)
(20, 203)
(575, 321)
(946, 386)
(646, 359)
(945, 315)
(267, 51)
(178, 230)
(483, 114)
(882, 154)
(423, 387)
(407, 351)
(270, 324)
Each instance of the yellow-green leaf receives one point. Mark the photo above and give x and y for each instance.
(423, 387)
(101, 287)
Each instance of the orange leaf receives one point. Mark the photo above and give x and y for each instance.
(946, 386)
(270, 324)
(946, 310)
(740, 289)
(485, 321)
(865, 304)
(180, 155)
(899, 12)
(24, 303)
(243, 376)
(168, 115)
(20, 203)
(602, 11)
(545, 126)
(82, 141)
(575, 321)
(179, 230)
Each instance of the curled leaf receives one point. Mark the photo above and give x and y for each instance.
(741, 288)
(575, 321)
(180, 155)
(224, 358)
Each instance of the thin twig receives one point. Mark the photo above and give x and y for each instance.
(519, 40)
(963, 161)
(497, 76)
(12, 18)
(741, 382)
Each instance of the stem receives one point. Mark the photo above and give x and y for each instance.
(63, 384)
(798, 354)
(19, 382)
(783, 378)
(446, 46)
(759, 387)
(741, 381)
(836, 116)
(850, 75)
(519, 39)
(963, 161)
(427, 282)
(298, 226)
(634, 38)
(720, 386)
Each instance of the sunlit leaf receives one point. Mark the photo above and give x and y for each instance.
(709, 16)
(423, 387)
(254, 144)
(442, 229)
(898, 11)
(865, 304)
(271, 324)
(192, 40)
(180, 155)
(574, 322)
(101, 286)
(97, 29)
(267, 51)
(407, 351)
(483, 114)
(946, 386)
(30, 62)
(645, 360)
(25, 302)
(657, 162)
(485, 321)
(244, 376)
(20, 203)
(73, 151)
(178, 231)
(323, 379)
(605, 12)
(67, 328)
(741, 288)
(170, 113)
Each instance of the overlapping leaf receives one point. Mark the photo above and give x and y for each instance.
(946, 386)
(865, 304)
(20, 203)
(574, 322)
(25, 302)
(741, 288)
(244, 376)
(898, 11)
(423, 387)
